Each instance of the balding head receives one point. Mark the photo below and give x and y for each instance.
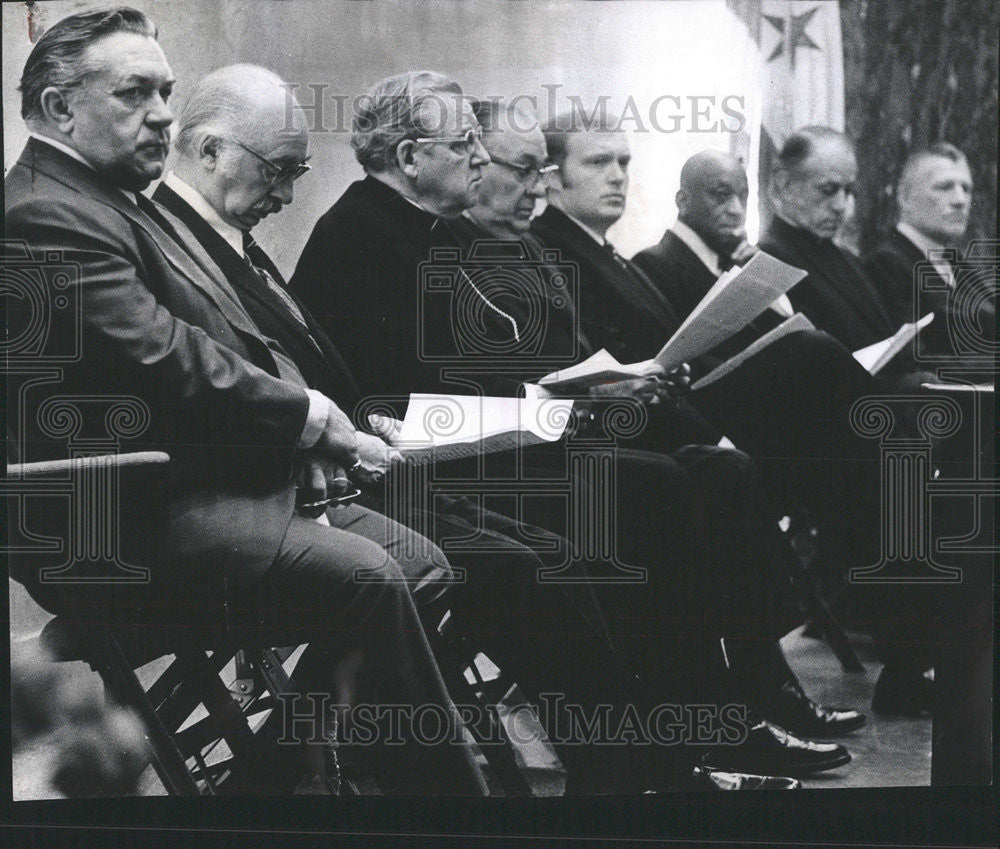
(813, 180)
(245, 101)
(712, 199)
(242, 142)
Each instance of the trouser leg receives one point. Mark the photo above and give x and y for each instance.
(350, 600)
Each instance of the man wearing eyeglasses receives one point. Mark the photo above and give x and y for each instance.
(418, 141)
(160, 325)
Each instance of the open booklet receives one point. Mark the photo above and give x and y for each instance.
(450, 427)
(736, 299)
(876, 357)
(793, 324)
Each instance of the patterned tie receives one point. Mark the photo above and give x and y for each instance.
(255, 257)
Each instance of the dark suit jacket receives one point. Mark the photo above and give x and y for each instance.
(360, 277)
(309, 347)
(683, 279)
(161, 325)
(620, 309)
(893, 267)
(836, 296)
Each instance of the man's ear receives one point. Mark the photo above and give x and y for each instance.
(57, 107)
(208, 151)
(406, 159)
(681, 199)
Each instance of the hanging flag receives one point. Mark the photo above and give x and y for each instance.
(799, 65)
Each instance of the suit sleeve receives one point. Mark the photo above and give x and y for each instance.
(894, 281)
(201, 392)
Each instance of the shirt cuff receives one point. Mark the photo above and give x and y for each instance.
(319, 412)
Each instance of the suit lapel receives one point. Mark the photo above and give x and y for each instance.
(628, 282)
(202, 274)
(242, 277)
(852, 289)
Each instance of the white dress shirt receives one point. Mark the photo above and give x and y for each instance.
(319, 404)
(710, 259)
(931, 250)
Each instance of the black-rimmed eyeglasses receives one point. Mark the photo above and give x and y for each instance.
(279, 173)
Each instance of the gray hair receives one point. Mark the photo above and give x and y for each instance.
(222, 103)
(799, 146)
(397, 108)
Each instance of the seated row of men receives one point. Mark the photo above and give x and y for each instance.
(251, 386)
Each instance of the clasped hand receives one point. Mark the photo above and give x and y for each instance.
(652, 390)
(342, 455)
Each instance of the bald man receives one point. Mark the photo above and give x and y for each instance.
(708, 238)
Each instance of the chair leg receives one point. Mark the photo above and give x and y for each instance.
(455, 656)
(167, 760)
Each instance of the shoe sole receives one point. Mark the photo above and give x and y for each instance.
(825, 732)
(792, 770)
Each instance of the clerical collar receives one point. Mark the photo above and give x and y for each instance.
(74, 154)
(197, 202)
(708, 257)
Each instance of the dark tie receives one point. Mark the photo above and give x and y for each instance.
(255, 257)
(617, 257)
(643, 291)
(725, 262)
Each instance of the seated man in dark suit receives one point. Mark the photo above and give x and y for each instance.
(361, 269)
(934, 196)
(786, 406)
(805, 431)
(512, 182)
(547, 634)
(813, 178)
(161, 326)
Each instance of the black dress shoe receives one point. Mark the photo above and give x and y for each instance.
(705, 778)
(899, 694)
(771, 750)
(791, 708)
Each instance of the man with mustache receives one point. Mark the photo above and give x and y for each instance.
(225, 547)
(360, 276)
(546, 635)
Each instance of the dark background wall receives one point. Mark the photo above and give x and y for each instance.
(917, 72)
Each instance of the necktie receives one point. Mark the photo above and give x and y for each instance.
(725, 262)
(256, 259)
(617, 257)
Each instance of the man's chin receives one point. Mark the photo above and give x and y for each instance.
(138, 181)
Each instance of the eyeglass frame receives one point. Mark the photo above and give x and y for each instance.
(471, 137)
(525, 171)
(285, 173)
